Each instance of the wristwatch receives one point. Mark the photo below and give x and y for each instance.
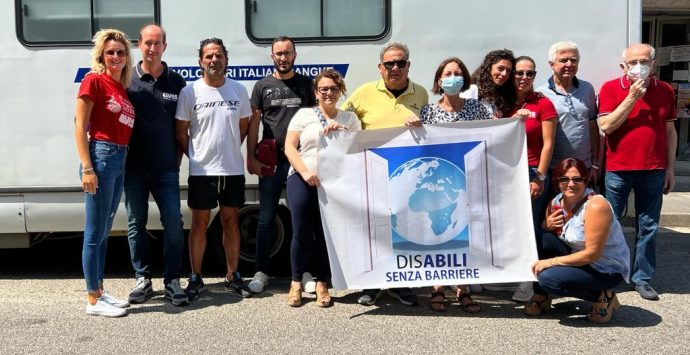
(541, 176)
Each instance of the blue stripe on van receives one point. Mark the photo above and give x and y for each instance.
(244, 72)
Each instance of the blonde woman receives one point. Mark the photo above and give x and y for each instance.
(303, 180)
(103, 123)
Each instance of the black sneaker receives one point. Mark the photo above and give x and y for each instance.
(238, 286)
(174, 293)
(195, 286)
(404, 295)
(142, 290)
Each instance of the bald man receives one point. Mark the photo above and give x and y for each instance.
(637, 114)
(152, 167)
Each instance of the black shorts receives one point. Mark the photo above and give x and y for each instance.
(206, 192)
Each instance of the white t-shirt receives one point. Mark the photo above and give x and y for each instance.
(214, 126)
(307, 122)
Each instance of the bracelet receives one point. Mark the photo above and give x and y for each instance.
(86, 170)
(595, 166)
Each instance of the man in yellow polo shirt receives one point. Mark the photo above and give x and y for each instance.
(392, 101)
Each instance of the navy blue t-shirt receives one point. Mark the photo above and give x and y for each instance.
(153, 146)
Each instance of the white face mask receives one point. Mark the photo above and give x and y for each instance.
(638, 71)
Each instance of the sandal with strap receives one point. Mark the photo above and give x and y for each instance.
(323, 298)
(294, 298)
(466, 302)
(534, 307)
(438, 301)
(603, 309)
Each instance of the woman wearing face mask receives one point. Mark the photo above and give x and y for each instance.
(301, 145)
(493, 86)
(450, 79)
(540, 119)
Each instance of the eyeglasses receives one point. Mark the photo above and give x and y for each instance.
(633, 63)
(529, 74)
(564, 180)
(328, 89)
(284, 54)
(400, 63)
(116, 52)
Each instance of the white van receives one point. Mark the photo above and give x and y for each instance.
(44, 53)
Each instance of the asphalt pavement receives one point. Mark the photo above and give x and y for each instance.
(42, 311)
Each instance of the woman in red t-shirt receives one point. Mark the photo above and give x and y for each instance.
(103, 123)
(540, 124)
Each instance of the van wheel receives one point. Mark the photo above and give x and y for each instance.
(248, 220)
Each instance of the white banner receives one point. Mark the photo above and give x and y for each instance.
(433, 205)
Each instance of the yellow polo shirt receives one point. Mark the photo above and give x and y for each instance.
(376, 107)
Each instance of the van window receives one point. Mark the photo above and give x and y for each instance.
(317, 20)
(74, 22)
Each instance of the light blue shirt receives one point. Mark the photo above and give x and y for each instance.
(616, 256)
(575, 110)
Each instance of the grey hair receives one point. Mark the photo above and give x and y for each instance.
(395, 45)
(652, 51)
(561, 46)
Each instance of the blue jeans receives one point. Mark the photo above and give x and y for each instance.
(270, 189)
(108, 162)
(583, 282)
(649, 187)
(307, 231)
(165, 188)
(538, 207)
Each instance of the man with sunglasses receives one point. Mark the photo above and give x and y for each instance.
(577, 133)
(152, 167)
(392, 101)
(637, 114)
(275, 99)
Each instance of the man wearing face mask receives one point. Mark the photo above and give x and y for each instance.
(636, 112)
(392, 101)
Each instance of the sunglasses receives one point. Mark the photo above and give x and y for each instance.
(117, 52)
(529, 74)
(328, 89)
(401, 64)
(564, 180)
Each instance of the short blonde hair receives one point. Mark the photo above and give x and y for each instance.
(99, 41)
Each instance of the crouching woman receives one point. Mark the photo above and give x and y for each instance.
(582, 253)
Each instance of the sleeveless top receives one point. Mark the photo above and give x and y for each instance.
(616, 256)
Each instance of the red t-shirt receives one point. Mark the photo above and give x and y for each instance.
(112, 116)
(541, 110)
(640, 142)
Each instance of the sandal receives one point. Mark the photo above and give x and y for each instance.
(323, 298)
(534, 307)
(294, 298)
(602, 310)
(466, 302)
(438, 301)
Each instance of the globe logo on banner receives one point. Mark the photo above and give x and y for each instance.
(420, 197)
(430, 199)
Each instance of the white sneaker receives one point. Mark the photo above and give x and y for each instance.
(309, 283)
(258, 283)
(523, 293)
(105, 296)
(105, 309)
